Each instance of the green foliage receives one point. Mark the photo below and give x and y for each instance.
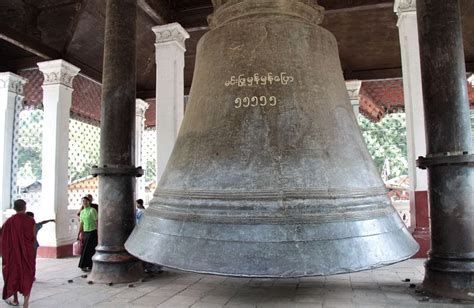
(387, 141)
(150, 170)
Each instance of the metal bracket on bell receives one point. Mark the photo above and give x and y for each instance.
(445, 159)
(117, 170)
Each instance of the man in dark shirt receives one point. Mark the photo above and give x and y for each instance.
(38, 226)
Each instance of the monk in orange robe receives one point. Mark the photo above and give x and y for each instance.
(18, 260)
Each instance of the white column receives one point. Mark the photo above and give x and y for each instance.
(11, 93)
(353, 89)
(413, 95)
(141, 107)
(415, 119)
(170, 51)
(57, 99)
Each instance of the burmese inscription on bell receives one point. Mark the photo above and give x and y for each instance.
(257, 80)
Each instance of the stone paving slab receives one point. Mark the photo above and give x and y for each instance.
(385, 287)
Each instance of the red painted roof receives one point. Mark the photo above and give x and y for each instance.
(150, 113)
(86, 97)
(386, 93)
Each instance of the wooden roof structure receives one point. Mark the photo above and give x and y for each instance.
(32, 31)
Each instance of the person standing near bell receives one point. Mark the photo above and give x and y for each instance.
(139, 210)
(88, 230)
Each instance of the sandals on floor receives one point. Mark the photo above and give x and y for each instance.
(11, 303)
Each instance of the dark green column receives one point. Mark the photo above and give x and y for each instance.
(449, 160)
(117, 172)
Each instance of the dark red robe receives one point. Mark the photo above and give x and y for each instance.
(18, 260)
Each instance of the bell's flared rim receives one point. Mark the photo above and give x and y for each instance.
(374, 243)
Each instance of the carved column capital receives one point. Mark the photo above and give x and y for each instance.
(173, 32)
(141, 107)
(471, 80)
(12, 82)
(353, 89)
(58, 72)
(404, 6)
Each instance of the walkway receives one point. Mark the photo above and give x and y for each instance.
(59, 284)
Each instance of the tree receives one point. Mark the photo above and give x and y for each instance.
(150, 170)
(387, 143)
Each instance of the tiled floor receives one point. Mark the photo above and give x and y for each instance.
(385, 287)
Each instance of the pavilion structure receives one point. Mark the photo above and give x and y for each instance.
(64, 57)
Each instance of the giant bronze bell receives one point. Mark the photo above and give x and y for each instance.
(270, 176)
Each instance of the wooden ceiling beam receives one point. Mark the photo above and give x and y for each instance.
(27, 43)
(386, 73)
(44, 52)
(470, 67)
(50, 5)
(360, 8)
(195, 19)
(18, 64)
(80, 8)
(158, 10)
(145, 94)
(345, 4)
(375, 74)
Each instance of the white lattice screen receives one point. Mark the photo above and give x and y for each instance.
(149, 163)
(83, 153)
(84, 141)
(26, 159)
(84, 147)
